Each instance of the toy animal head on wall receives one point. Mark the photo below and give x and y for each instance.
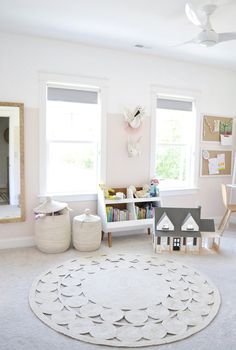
(134, 147)
(134, 118)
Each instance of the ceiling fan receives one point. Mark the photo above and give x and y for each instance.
(207, 37)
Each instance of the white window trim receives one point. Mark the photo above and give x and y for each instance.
(70, 80)
(178, 93)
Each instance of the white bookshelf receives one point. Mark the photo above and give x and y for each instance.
(128, 203)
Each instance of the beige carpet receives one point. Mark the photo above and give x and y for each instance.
(21, 330)
(124, 300)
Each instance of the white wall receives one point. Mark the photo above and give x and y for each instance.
(130, 77)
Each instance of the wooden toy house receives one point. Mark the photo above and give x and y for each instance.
(179, 229)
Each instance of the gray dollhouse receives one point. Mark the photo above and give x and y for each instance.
(180, 229)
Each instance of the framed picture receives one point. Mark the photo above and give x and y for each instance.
(217, 129)
(216, 162)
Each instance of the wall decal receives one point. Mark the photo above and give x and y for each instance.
(134, 147)
(134, 118)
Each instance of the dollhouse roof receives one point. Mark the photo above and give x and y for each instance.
(178, 216)
(207, 225)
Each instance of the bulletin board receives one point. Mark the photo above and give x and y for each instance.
(216, 162)
(214, 126)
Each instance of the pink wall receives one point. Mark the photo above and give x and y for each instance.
(121, 169)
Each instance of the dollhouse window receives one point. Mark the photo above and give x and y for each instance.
(165, 227)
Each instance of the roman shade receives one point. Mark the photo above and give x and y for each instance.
(72, 95)
(179, 105)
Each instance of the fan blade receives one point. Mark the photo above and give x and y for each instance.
(193, 41)
(199, 19)
(226, 37)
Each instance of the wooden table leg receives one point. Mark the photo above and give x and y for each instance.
(149, 231)
(102, 235)
(109, 239)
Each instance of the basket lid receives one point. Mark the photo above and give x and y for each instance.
(88, 217)
(50, 206)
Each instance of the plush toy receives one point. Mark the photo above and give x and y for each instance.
(109, 193)
(144, 193)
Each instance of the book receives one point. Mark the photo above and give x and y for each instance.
(115, 214)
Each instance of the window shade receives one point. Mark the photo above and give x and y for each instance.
(72, 95)
(174, 104)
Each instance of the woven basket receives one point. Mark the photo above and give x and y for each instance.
(53, 233)
(86, 235)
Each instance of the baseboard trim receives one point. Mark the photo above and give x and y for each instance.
(29, 241)
(21, 242)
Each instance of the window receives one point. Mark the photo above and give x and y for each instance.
(175, 136)
(73, 140)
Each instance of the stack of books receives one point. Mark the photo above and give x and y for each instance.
(146, 212)
(115, 214)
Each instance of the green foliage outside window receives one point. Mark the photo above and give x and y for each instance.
(79, 160)
(171, 164)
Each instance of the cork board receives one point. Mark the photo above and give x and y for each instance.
(214, 126)
(227, 171)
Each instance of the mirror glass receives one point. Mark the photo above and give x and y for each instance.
(11, 162)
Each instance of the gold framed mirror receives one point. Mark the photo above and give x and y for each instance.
(12, 189)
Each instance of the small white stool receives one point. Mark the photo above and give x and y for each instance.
(86, 232)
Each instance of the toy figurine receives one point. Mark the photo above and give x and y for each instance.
(154, 190)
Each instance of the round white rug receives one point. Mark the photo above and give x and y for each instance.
(125, 300)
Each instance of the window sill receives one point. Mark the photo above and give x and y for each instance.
(82, 197)
(178, 192)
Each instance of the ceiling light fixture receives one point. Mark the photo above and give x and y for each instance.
(140, 46)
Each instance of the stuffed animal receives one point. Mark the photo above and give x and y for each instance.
(144, 193)
(109, 193)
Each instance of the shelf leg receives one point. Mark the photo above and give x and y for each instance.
(149, 231)
(109, 239)
(102, 235)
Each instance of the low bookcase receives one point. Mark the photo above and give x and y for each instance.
(126, 214)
